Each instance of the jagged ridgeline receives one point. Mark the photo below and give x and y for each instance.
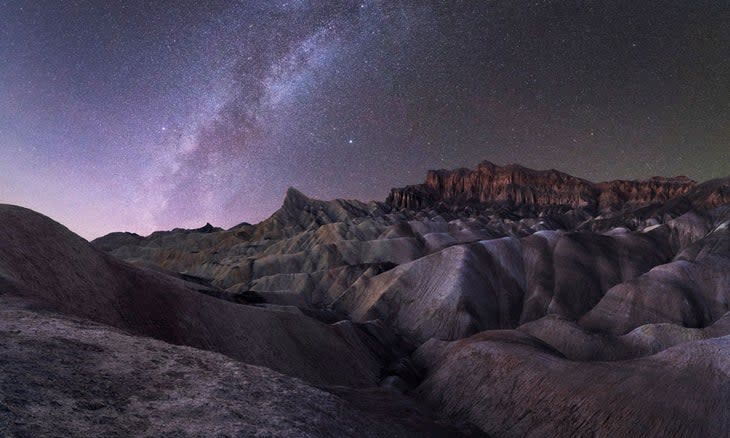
(498, 300)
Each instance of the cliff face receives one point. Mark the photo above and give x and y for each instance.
(615, 194)
(519, 185)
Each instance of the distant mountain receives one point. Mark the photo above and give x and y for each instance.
(517, 185)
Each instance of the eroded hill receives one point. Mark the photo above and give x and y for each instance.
(523, 302)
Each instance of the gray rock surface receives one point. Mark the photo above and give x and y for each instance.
(62, 376)
(41, 259)
(511, 384)
(525, 302)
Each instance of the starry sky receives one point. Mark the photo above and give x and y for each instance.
(138, 116)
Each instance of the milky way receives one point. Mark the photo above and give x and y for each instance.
(136, 116)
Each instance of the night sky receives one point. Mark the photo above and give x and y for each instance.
(140, 116)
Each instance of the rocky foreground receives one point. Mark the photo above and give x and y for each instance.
(498, 301)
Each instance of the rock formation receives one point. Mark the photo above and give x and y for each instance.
(517, 185)
(502, 301)
(65, 376)
(43, 261)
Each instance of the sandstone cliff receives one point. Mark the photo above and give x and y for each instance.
(517, 185)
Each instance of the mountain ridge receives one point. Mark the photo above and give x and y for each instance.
(518, 185)
(488, 185)
(515, 269)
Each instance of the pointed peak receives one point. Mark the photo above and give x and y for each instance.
(207, 228)
(294, 197)
(292, 192)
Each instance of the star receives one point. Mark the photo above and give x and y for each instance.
(222, 105)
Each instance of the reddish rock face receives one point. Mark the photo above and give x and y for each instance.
(615, 194)
(522, 186)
